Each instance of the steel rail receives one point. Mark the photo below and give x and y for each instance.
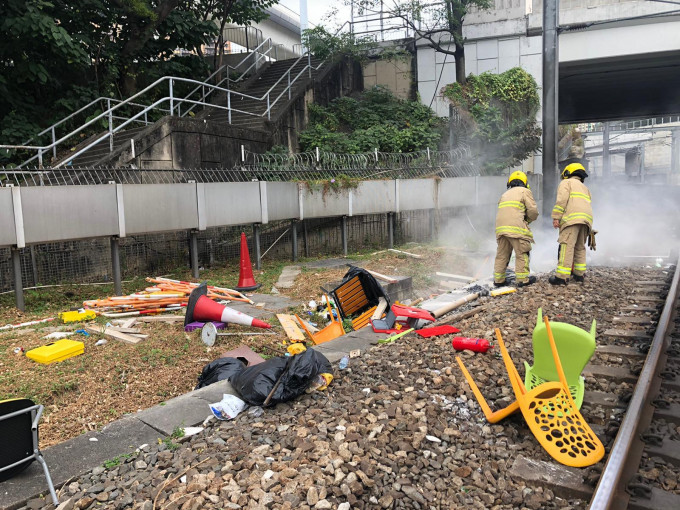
(612, 475)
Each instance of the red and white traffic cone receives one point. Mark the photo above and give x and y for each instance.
(246, 281)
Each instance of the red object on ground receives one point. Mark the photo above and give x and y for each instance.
(246, 281)
(207, 310)
(461, 343)
(437, 331)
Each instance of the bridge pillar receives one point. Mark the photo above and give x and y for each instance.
(675, 151)
(551, 10)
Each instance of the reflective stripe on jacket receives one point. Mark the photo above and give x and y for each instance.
(516, 209)
(573, 206)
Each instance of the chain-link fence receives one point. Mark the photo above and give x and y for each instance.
(309, 166)
(89, 261)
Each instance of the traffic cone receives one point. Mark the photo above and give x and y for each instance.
(203, 309)
(246, 281)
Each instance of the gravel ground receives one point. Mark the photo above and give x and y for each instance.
(398, 429)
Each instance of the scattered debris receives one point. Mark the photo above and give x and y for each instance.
(228, 408)
(290, 327)
(412, 255)
(56, 351)
(112, 333)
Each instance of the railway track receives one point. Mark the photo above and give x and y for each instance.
(633, 396)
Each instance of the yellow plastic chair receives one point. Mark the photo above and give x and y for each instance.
(575, 347)
(549, 410)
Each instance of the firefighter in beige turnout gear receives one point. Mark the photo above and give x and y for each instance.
(573, 215)
(516, 209)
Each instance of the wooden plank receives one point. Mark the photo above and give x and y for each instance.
(129, 322)
(382, 277)
(123, 337)
(161, 318)
(308, 325)
(380, 309)
(412, 255)
(456, 276)
(633, 320)
(638, 308)
(291, 328)
(564, 481)
(620, 350)
(121, 329)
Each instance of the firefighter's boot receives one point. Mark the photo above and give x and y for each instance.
(554, 280)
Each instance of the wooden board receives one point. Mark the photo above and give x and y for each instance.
(123, 337)
(291, 328)
(161, 318)
(412, 255)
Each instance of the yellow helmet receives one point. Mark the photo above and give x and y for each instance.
(569, 169)
(518, 175)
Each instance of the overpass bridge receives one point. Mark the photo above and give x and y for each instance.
(618, 59)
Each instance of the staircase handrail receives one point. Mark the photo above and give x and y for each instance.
(146, 109)
(260, 56)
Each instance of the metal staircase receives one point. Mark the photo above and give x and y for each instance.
(247, 95)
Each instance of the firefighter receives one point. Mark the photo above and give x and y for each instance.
(516, 209)
(573, 215)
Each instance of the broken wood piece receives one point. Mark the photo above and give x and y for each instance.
(380, 309)
(289, 324)
(129, 323)
(461, 316)
(161, 318)
(456, 276)
(123, 337)
(308, 324)
(412, 255)
(380, 276)
(259, 305)
(455, 304)
(129, 331)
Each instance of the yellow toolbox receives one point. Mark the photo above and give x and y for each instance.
(56, 351)
(77, 316)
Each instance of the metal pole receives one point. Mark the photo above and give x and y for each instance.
(172, 102)
(606, 158)
(390, 230)
(269, 113)
(54, 146)
(343, 226)
(309, 62)
(229, 105)
(40, 158)
(293, 228)
(304, 24)
(288, 84)
(115, 264)
(551, 10)
(247, 45)
(18, 285)
(258, 250)
(194, 253)
(305, 238)
(110, 126)
(34, 265)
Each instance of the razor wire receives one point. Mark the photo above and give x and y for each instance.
(315, 165)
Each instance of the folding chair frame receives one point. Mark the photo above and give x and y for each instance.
(36, 412)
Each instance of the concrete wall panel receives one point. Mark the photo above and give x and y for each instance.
(59, 213)
(159, 207)
(373, 197)
(490, 189)
(457, 192)
(282, 200)
(318, 204)
(232, 203)
(7, 233)
(416, 194)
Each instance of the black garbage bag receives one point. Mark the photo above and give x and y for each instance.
(297, 373)
(219, 370)
(370, 285)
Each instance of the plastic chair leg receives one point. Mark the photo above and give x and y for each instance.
(40, 459)
(491, 416)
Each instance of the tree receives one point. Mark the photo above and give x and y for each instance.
(440, 23)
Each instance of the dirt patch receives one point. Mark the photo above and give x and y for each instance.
(108, 381)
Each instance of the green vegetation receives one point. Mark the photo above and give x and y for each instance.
(499, 117)
(177, 433)
(324, 45)
(116, 461)
(57, 56)
(375, 119)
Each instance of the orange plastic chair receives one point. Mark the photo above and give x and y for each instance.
(549, 410)
(330, 332)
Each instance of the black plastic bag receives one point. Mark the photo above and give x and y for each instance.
(219, 370)
(370, 285)
(255, 383)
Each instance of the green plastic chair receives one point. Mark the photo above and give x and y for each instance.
(575, 347)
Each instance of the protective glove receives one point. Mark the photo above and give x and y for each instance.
(591, 239)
